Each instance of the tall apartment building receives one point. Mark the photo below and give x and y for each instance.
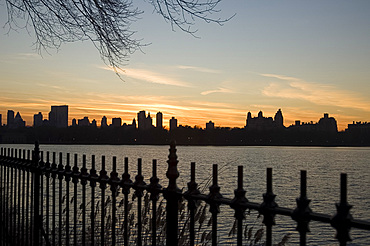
(173, 123)
(37, 120)
(117, 122)
(103, 122)
(144, 122)
(10, 118)
(58, 116)
(159, 120)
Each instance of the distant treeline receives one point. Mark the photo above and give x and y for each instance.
(183, 136)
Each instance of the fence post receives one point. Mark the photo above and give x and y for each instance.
(342, 220)
(36, 193)
(266, 208)
(237, 202)
(172, 196)
(302, 213)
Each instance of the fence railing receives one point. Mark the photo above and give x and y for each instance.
(36, 195)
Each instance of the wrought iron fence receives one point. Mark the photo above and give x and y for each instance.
(34, 210)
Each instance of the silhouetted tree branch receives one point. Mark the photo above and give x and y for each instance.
(106, 23)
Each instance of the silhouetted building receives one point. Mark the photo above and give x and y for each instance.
(159, 120)
(58, 116)
(37, 120)
(10, 118)
(93, 123)
(210, 125)
(261, 123)
(328, 124)
(144, 122)
(359, 128)
(1, 121)
(18, 121)
(74, 122)
(116, 122)
(103, 122)
(84, 122)
(173, 123)
(279, 119)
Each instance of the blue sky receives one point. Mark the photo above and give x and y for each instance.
(305, 57)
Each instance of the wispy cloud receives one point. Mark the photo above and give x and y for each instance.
(320, 94)
(150, 76)
(198, 69)
(219, 90)
(27, 56)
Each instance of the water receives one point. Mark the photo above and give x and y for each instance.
(323, 166)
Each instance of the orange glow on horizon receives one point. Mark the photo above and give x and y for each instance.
(191, 116)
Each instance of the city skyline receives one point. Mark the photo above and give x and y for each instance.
(58, 117)
(307, 58)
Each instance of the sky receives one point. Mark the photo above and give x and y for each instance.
(306, 58)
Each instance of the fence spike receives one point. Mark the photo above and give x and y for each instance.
(302, 212)
(267, 208)
(342, 219)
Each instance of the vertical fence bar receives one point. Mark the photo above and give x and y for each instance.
(68, 174)
(93, 178)
(68, 179)
(192, 190)
(302, 213)
(36, 193)
(154, 188)
(53, 209)
(15, 167)
(31, 198)
(214, 194)
(171, 194)
(83, 176)
(126, 182)
(138, 186)
(7, 198)
(18, 242)
(342, 220)
(28, 227)
(60, 202)
(114, 186)
(266, 208)
(75, 182)
(23, 195)
(1, 196)
(237, 204)
(11, 199)
(47, 176)
(103, 178)
(42, 168)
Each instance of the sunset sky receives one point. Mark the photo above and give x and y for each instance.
(305, 57)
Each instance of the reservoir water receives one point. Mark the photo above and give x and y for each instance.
(323, 164)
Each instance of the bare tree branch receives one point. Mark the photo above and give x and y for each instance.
(106, 23)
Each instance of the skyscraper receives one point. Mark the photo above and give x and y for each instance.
(10, 118)
(58, 116)
(37, 120)
(103, 122)
(117, 122)
(279, 120)
(173, 123)
(18, 121)
(159, 120)
(144, 122)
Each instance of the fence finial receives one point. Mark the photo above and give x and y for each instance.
(172, 172)
(172, 196)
